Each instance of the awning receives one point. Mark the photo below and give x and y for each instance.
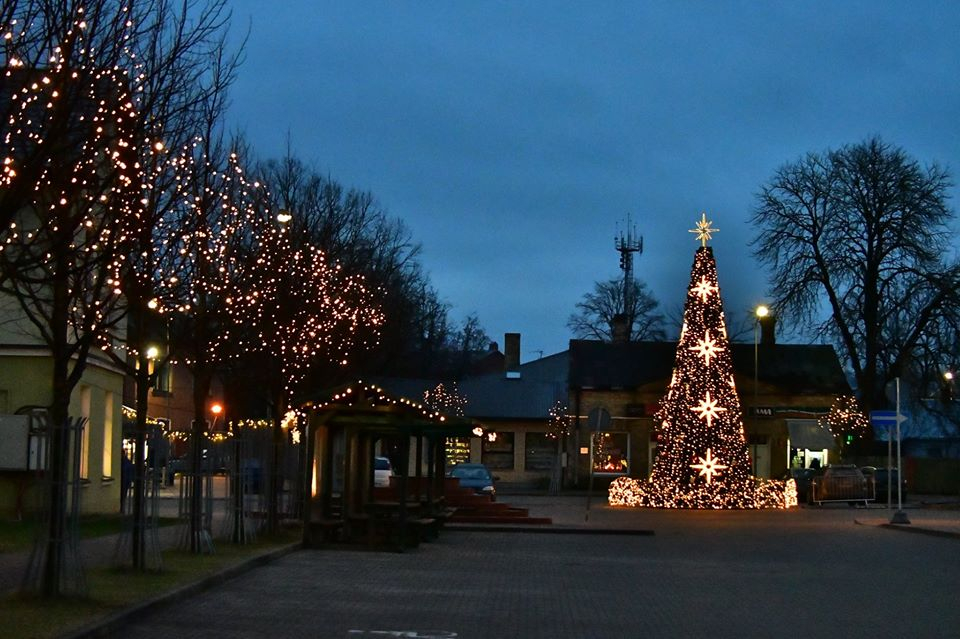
(808, 434)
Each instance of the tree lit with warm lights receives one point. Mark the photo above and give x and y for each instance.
(845, 421)
(296, 310)
(702, 457)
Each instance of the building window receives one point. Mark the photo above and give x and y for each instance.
(540, 451)
(498, 454)
(457, 451)
(611, 453)
(108, 434)
(163, 382)
(85, 436)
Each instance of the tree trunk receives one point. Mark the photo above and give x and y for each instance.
(139, 460)
(59, 440)
(201, 391)
(275, 480)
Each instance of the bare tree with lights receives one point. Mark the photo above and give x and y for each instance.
(296, 309)
(702, 458)
(68, 183)
(865, 230)
(353, 231)
(99, 88)
(559, 428)
(846, 422)
(186, 71)
(216, 209)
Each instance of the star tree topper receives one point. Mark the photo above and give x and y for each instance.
(704, 231)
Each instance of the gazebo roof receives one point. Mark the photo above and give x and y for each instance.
(368, 407)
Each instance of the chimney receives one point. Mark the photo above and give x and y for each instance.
(620, 329)
(494, 347)
(511, 355)
(768, 330)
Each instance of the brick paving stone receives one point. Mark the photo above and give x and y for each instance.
(722, 574)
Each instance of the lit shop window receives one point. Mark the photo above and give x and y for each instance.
(611, 453)
(458, 451)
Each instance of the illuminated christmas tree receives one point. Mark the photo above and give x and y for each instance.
(702, 458)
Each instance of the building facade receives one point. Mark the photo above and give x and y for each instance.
(615, 390)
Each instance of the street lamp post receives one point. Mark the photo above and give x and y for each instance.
(760, 312)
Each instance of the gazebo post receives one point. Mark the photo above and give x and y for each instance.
(306, 505)
(419, 470)
(404, 471)
(431, 469)
(349, 497)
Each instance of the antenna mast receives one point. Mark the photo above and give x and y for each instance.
(626, 246)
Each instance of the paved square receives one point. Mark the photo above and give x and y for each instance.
(807, 573)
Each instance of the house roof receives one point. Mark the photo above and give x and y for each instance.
(804, 369)
(541, 384)
(369, 407)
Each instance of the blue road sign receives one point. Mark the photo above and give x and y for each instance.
(886, 417)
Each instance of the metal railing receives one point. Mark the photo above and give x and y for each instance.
(848, 488)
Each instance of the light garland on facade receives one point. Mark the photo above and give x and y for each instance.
(702, 457)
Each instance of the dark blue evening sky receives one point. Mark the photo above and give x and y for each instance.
(513, 137)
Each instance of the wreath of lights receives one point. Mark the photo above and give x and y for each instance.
(702, 457)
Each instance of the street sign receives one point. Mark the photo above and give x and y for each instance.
(886, 417)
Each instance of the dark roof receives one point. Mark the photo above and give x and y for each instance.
(799, 367)
(542, 383)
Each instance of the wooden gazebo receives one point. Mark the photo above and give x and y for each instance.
(344, 427)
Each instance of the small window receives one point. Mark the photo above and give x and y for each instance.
(84, 443)
(499, 454)
(540, 452)
(163, 381)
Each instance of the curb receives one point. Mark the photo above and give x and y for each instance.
(548, 530)
(111, 625)
(932, 532)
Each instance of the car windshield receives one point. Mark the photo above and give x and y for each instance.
(381, 463)
(470, 473)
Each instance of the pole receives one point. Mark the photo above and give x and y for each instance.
(756, 384)
(899, 517)
(586, 514)
(889, 466)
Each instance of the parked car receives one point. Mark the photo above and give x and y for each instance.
(382, 472)
(841, 482)
(477, 477)
(880, 478)
(181, 465)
